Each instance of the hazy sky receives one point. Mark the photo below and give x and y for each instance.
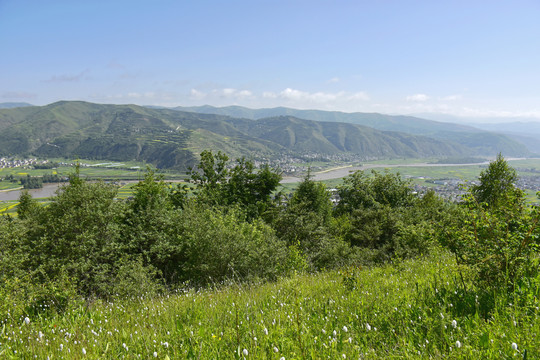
(471, 58)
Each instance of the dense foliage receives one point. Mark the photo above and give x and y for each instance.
(230, 226)
(496, 234)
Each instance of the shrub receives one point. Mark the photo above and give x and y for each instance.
(221, 245)
(497, 235)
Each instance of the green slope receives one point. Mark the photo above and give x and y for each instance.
(172, 139)
(331, 138)
(478, 142)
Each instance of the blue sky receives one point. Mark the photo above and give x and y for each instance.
(467, 58)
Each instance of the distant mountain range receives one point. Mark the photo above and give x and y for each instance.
(477, 141)
(173, 138)
(11, 105)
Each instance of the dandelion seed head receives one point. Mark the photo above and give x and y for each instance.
(514, 346)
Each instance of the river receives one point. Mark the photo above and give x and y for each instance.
(47, 191)
(341, 172)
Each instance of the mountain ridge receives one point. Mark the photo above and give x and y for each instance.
(170, 138)
(457, 133)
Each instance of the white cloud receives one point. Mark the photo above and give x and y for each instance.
(334, 80)
(230, 93)
(196, 94)
(451, 97)
(359, 96)
(269, 95)
(316, 97)
(417, 97)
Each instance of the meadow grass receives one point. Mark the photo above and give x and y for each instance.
(408, 310)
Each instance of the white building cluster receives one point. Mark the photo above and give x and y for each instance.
(13, 163)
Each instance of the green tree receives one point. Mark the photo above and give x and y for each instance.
(27, 205)
(496, 236)
(497, 184)
(362, 191)
(313, 197)
(76, 234)
(242, 185)
(252, 190)
(151, 228)
(305, 224)
(379, 212)
(209, 176)
(150, 193)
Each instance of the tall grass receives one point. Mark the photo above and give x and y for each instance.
(420, 308)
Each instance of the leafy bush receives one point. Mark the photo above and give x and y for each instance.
(221, 245)
(381, 214)
(497, 235)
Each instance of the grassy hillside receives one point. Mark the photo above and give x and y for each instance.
(478, 142)
(410, 310)
(327, 137)
(172, 139)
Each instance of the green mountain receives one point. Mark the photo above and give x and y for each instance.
(170, 138)
(480, 142)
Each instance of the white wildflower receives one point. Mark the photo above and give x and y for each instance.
(245, 352)
(514, 346)
(458, 344)
(454, 324)
(27, 320)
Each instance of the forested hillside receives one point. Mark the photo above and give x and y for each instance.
(174, 139)
(476, 141)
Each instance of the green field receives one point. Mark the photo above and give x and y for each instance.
(8, 207)
(417, 309)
